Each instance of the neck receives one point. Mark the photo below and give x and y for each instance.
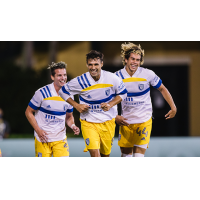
(56, 88)
(130, 72)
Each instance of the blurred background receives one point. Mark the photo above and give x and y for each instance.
(24, 69)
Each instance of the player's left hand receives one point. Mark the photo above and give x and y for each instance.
(171, 114)
(76, 130)
(105, 106)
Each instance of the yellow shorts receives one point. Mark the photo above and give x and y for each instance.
(135, 134)
(57, 148)
(98, 135)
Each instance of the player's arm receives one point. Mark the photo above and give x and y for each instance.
(80, 107)
(107, 106)
(70, 122)
(167, 96)
(31, 118)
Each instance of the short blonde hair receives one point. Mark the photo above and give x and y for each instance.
(131, 48)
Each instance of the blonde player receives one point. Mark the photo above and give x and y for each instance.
(99, 93)
(136, 119)
(51, 114)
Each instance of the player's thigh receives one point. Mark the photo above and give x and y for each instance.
(90, 134)
(60, 148)
(142, 133)
(126, 135)
(107, 136)
(42, 149)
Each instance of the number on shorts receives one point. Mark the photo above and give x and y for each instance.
(138, 132)
(143, 131)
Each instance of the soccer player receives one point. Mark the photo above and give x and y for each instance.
(99, 93)
(136, 119)
(51, 114)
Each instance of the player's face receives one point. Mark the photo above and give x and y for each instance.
(60, 77)
(94, 67)
(133, 63)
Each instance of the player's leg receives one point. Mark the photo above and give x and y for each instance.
(60, 148)
(125, 140)
(142, 134)
(91, 137)
(42, 149)
(107, 133)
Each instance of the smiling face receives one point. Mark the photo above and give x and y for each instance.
(60, 78)
(94, 67)
(132, 63)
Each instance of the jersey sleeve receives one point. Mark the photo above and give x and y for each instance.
(36, 100)
(155, 81)
(70, 107)
(70, 88)
(120, 89)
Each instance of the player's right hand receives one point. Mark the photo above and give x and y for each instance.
(121, 121)
(82, 108)
(42, 135)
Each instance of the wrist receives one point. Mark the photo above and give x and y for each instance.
(72, 126)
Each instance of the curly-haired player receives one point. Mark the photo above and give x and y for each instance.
(51, 114)
(136, 119)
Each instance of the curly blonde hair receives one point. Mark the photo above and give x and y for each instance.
(131, 48)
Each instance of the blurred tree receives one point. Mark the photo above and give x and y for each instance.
(27, 54)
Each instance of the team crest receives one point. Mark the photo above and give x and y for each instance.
(141, 86)
(65, 107)
(87, 141)
(39, 154)
(107, 92)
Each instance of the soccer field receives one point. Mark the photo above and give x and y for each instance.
(158, 147)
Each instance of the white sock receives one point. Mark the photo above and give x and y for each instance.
(138, 155)
(126, 155)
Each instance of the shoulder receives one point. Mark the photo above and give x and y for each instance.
(147, 72)
(110, 74)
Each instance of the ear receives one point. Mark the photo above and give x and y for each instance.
(102, 64)
(52, 78)
(125, 60)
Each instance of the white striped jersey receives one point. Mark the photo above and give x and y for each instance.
(50, 112)
(93, 93)
(137, 107)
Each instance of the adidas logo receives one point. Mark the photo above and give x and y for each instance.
(143, 138)
(89, 97)
(48, 106)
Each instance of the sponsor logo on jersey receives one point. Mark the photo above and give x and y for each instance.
(143, 138)
(89, 97)
(121, 86)
(65, 107)
(87, 141)
(155, 78)
(119, 137)
(35, 100)
(39, 154)
(107, 92)
(141, 86)
(48, 106)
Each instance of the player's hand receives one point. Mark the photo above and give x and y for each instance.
(105, 106)
(171, 114)
(121, 121)
(43, 136)
(82, 108)
(76, 130)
